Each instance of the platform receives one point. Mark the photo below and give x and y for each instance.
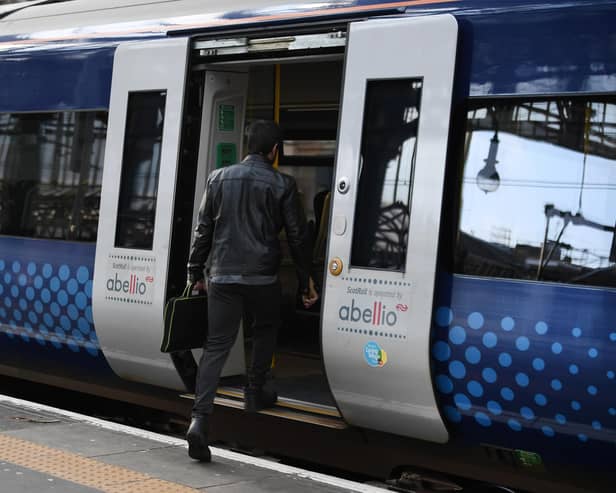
(43, 449)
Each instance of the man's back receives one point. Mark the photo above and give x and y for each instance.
(245, 207)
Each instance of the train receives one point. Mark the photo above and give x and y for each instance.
(468, 297)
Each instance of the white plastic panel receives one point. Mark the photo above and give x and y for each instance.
(129, 322)
(376, 323)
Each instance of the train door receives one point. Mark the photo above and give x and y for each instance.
(385, 223)
(135, 226)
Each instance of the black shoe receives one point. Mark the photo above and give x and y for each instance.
(197, 440)
(257, 398)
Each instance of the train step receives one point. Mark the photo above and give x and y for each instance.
(306, 412)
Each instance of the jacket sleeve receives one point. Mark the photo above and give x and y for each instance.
(297, 234)
(202, 237)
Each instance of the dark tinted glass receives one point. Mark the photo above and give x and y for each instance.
(50, 174)
(387, 161)
(140, 168)
(539, 191)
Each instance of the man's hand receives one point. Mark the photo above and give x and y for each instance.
(198, 287)
(311, 297)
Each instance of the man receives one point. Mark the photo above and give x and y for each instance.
(243, 210)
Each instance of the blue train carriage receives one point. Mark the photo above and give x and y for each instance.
(456, 160)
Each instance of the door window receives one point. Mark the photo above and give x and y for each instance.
(387, 160)
(140, 169)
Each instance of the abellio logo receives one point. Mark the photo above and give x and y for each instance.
(376, 315)
(132, 285)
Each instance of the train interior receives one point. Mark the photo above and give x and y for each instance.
(304, 97)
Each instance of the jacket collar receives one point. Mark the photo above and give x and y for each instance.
(258, 160)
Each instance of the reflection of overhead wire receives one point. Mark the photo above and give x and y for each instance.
(549, 184)
(587, 112)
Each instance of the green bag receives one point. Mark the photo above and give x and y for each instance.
(185, 322)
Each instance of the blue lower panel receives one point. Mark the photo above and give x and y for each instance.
(528, 366)
(46, 295)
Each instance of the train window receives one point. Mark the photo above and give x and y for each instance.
(50, 174)
(539, 191)
(387, 161)
(140, 168)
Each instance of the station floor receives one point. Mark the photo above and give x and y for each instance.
(43, 449)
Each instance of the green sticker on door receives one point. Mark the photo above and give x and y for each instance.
(226, 117)
(226, 154)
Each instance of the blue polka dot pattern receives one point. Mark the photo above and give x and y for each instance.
(548, 431)
(541, 328)
(504, 359)
(472, 355)
(546, 379)
(514, 425)
(507, 394)
(522, 379)
(527, 413)
(489, 375)
(444, 315)
(463, 402)
(475, 388)
(538, 364)
(490, 340)
(475, 320)
(495, 408)
(522, 343)
(49, 305)
(483, 419)
(457, 335)
(453, 415)
(457, 369)
(444, 384)
(441, 351)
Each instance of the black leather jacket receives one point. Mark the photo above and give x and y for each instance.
(244, 208)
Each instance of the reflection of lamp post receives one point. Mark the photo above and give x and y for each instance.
(576, 219)
(487, 178)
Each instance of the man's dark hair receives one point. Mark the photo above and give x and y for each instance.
(261, 135)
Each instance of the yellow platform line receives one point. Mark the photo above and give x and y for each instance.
(83, 470)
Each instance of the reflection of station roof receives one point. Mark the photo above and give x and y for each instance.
(482, 258)
(560, 122)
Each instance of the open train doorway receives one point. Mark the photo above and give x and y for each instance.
(303, 96)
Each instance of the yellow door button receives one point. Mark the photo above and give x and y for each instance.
(335, 266)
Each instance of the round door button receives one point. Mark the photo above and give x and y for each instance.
(335, 266)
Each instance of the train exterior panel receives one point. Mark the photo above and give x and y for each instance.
(517, 364)
(523, 365)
